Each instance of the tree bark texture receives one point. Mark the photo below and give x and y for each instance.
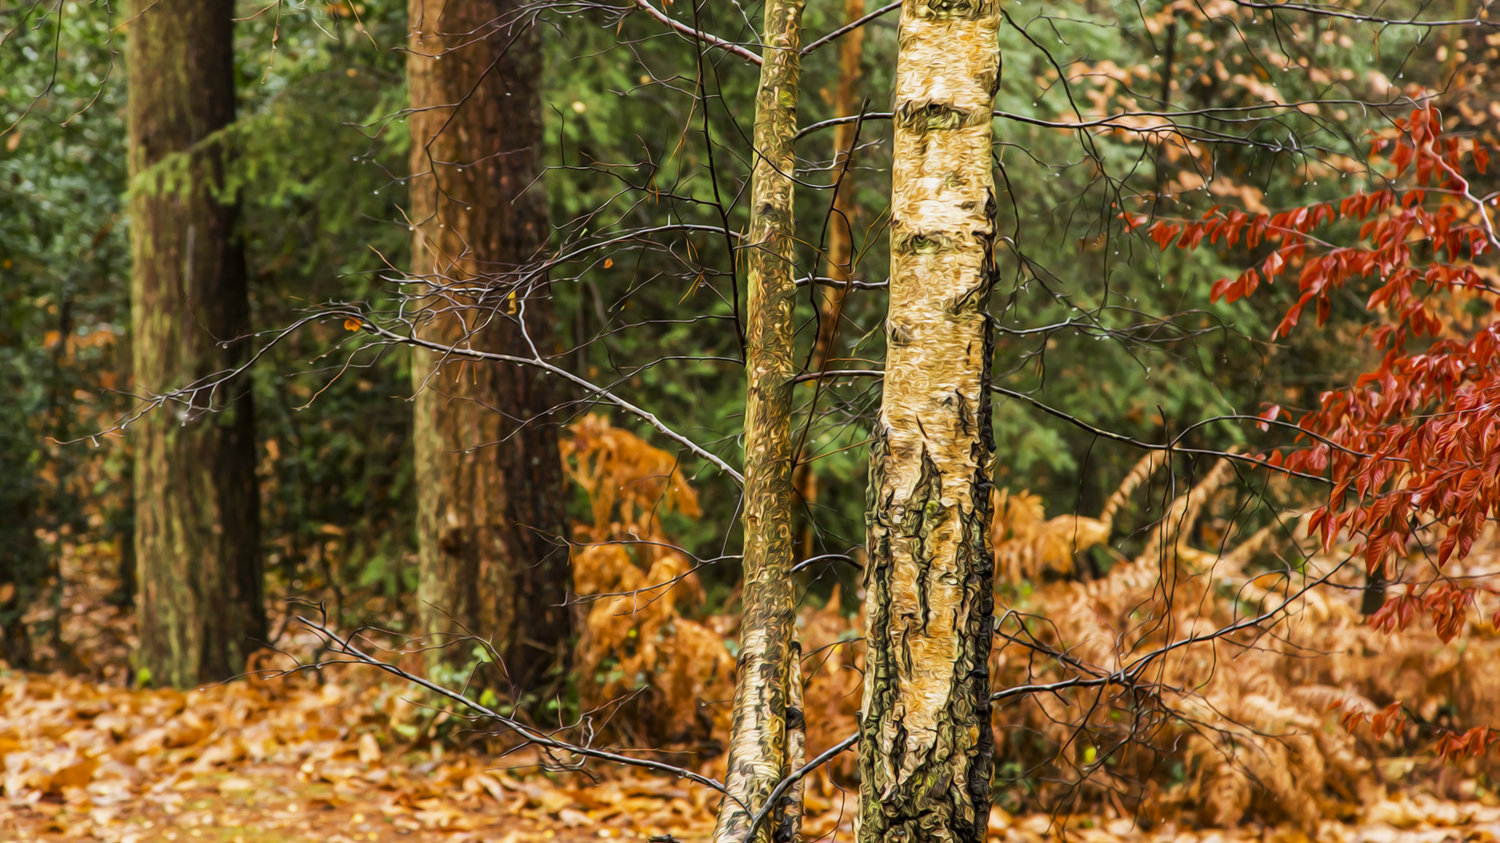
(491, 525)
(200, 605)
(760, 746)
(926, 744)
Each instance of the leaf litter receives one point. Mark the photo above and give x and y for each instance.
(293, 759)
(342, 755)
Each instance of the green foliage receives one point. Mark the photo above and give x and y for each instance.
(63, 256)
(314, 164)
(644, 132)
(311, 161)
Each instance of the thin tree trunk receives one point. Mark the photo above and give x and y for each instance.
(760, 747)
(845, 208)
(830, 299)
(491, 528)
(926, 744)
(197, 527)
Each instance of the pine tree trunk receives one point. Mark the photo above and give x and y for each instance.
(925, 739)
(200, 606)
(491, 526)
(761, 749)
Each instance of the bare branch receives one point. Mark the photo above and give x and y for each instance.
(706, 38)
(850, 27)
(345, 647)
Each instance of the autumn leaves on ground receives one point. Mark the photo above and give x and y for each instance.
(1255, 750)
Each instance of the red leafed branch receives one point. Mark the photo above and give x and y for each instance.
(1451, 745)
(1474, 742)
(1417, 439)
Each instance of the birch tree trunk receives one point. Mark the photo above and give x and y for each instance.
(200, 607)
(761, 750)
(926, 744)
(490, 524)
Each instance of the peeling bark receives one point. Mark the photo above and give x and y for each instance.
(760, 747)
(200, 605)
(925, 739)
(490, 523)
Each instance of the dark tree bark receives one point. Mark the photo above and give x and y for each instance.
(491, 525)
(197, 533)
(22, 569)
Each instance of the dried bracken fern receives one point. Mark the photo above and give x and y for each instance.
(1194, 723)
(1028, 544)
(646, 665)
(1197, 722)
(1232, 673)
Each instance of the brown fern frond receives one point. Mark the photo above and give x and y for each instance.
(1142, 471)
(1184, 510)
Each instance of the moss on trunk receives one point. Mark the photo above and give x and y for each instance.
(200, 603)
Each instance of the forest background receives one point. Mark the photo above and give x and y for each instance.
(1126, 377)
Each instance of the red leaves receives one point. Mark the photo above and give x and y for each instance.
(1475, 742)
(1270, 414)
(1163, 232)
(1446, 604)
(1450, 745)
(1387, 721)
(1418, 437)
(1396, 614)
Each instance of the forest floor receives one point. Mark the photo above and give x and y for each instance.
(348, 755)
(293, 760)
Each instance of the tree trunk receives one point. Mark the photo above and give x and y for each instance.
(830, 299)
(925, 740)
(760, 749)
(490, 522)
(197, 526)
(23, 570)
(841, 227)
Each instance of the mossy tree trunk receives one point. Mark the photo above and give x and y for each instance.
(762, 750)
(197, 530)
(926, 744)
(491, 528)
